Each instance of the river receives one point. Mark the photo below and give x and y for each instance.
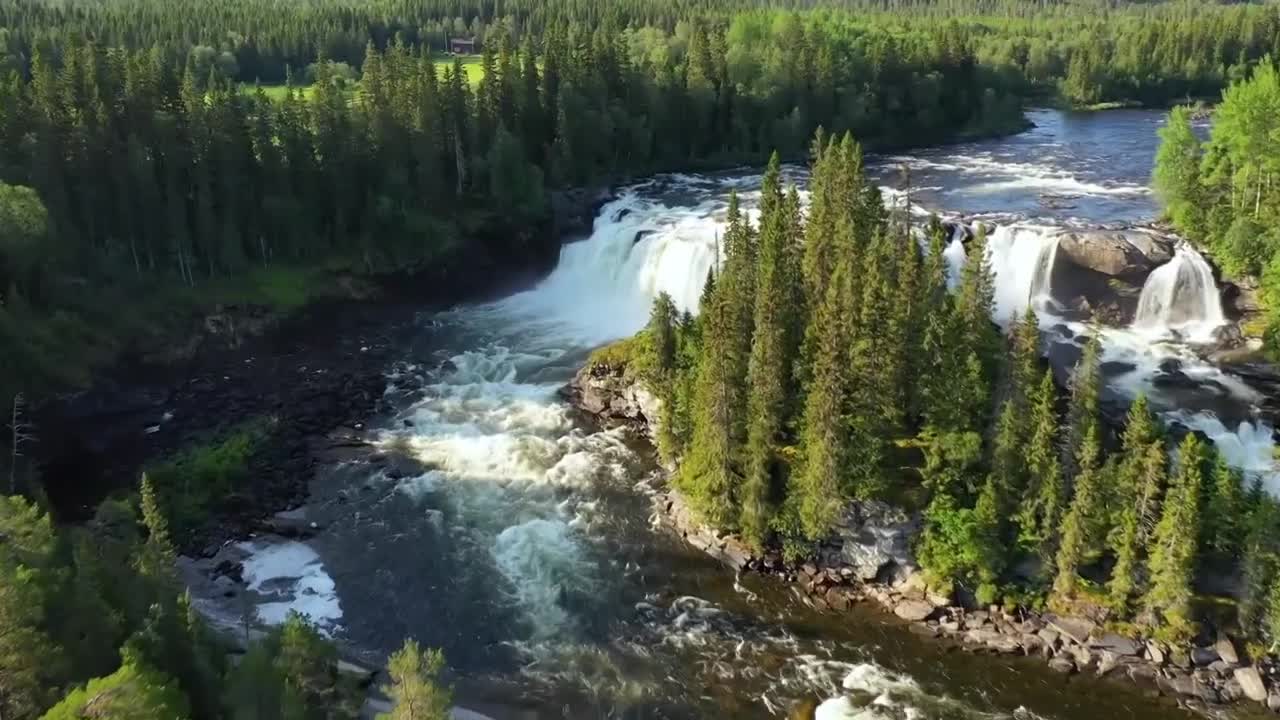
(525, 550)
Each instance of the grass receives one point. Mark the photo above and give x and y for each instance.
(470, 64)
(192, 482)
(619, 355)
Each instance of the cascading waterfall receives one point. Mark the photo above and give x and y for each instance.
(1181, 296)
(1022, 259)
(604, 286)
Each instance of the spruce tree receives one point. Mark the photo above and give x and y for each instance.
(711, 474)
(1135, 523)
(1084, 509)
(1043, 501)
(1173, 546)
(772, 356)
(818, 487)
(1223, 511)
(1082, 407)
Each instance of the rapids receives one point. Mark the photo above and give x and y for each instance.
(523, 546)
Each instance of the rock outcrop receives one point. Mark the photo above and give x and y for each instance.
(611, 395)
(1117, 253)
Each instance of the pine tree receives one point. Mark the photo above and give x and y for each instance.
(157, 558)
(1043, 501)
(711, 474)
(1173, 546)
(415, 691)
(1082, 408)
(1222, 520)
(1085, 506)
(771, 359)
(817, 488)
(1136, 521)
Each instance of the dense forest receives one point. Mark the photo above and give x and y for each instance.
(158, 158)
(139, 161)
(830, 363)
(1222, 191)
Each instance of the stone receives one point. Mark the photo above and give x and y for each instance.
(1117, 644)
(1227, 650)
(1251, 683)
(1178, 684)
(1049, 636)
(1117, 253)
(1155, 652)
(1273, 701)
(875, 539)
(1083, 656)
(837, 599)
(1076, 629)
(1062, 665)
(913, 610)
(1032, 643)
(995, 640)
(1203, 657)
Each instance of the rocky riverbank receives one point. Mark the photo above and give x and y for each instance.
(869, 558)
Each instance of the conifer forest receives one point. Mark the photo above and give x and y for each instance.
(162, 160)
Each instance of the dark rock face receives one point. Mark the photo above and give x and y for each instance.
(1117, 253)
(573, 211)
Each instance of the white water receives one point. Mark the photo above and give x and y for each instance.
(292, 575)
(1181, 296)
(1180, 300)
(1022, 258)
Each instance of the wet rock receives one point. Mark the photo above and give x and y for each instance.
(1251, 683)
(1203, 657)
(1112, 368)
(995, 640)
(609, 394)
(913, 610)
(1076, 629)
(1117, 253)
(1062, 665)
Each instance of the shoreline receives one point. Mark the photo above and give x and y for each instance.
(869, 560)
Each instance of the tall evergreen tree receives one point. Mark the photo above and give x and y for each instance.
(771, 359)
(1173, 545)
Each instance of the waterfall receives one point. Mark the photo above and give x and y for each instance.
(604, 286)
(1181, 296)
(1022, 259)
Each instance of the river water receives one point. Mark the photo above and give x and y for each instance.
(526, 550)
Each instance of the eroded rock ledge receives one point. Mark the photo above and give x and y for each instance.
(869, 557)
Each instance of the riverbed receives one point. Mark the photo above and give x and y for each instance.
(522, 544)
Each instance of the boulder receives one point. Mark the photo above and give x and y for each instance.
(1076, 629)
(913, 610)
(1227, 650)
(1156, 652)
(1117, 645)
(1117, 253)
(1251, 683)
(875, 539)
(1062, 664)
(1203, 656)
(995, 640)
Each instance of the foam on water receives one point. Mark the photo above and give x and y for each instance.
(292, 573)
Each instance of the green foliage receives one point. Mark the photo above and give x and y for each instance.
(130, 693)
(1173, 545)
(186, 488)
(415, 689)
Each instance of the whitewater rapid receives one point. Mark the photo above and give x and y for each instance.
(521, 544)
